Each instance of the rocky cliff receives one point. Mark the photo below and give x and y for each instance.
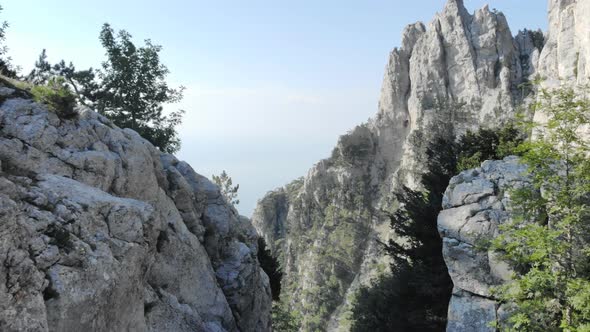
(566, 56)
(461, 71)
(100, 231)
(476, 202)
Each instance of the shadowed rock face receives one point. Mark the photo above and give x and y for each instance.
(459, 72)
(99, 231)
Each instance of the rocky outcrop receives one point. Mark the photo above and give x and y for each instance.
(100, 231)
(564, 59)
(460, 72)
(476, 202)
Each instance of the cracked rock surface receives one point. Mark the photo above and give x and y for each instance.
(100, 231)
(476, 202)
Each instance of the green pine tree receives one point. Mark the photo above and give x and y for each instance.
(228, 190)
(283, 319)
(416, 295)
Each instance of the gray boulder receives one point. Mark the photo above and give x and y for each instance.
(476, 202)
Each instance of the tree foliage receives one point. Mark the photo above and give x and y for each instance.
(82, 82)
(6, 67)
(415, 296)
(487, 144)
(283, 319)
(42, 72)
(229, 191)
(133, 89)
(129, 88)
(547, 242)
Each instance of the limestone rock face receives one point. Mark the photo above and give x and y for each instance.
(459, 72)
(472, 209)
(476, 202)
(566, 55)
(99, 231)
(565, 59)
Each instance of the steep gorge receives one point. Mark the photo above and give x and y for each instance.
(101, 231)
(461, 72)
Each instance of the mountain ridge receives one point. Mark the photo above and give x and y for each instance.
(460, 72)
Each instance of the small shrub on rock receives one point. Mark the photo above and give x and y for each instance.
(57, 96)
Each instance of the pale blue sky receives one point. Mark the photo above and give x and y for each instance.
(270, 84)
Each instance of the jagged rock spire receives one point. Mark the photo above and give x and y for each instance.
(458, 58)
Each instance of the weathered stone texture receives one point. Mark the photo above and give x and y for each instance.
(476, 202)
(100, 231)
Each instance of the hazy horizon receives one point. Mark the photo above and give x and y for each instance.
(270, 86)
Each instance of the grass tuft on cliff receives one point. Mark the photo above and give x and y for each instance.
(57, 96)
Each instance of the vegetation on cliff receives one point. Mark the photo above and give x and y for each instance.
(6, 68)
(57, 95)
(487, 144)
(271, 267)
(129, 88)
(283, 319)
(339, 228)
(547, 242)
(228, 190)
(331, 231)
(415, 296)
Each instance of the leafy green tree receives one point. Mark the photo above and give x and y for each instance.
(548, 241)
(130, 88)
(133, 89)
(229, 191)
